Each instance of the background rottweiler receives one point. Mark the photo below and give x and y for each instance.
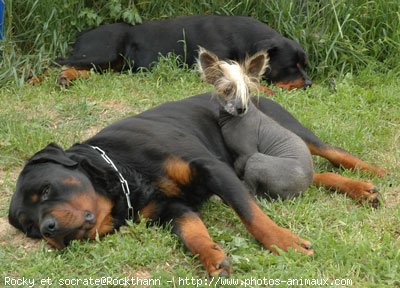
(173, 158)
(121, 46)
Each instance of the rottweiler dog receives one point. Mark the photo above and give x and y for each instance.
(121, 46)
(161, 165)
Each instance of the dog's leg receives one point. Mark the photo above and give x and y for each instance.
(221, 180)
(194, 235)
(270, 234)
(337, 156)
(33, 80)
(340, 157)
(358, 190)
(192, 231)
(67, 75)
(267, 91)
(278, 176)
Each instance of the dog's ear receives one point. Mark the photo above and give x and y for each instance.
(272, 46)
(256, 65)
(99, 177)
(52, 153)
(208, 66)
(269, 45)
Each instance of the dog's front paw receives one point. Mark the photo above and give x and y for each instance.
(63, 80)
(284, 240)
(363, 192)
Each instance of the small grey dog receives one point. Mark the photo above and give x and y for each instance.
(271, 160)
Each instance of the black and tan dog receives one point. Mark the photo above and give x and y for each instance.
(122, 46)
(173, 158)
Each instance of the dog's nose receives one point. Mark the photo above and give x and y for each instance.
(240, 111)
(48, 227)
(89, 217)
(307, 83)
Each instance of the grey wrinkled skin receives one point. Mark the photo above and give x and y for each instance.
(271, 160)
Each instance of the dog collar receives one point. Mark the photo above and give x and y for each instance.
(124, 183)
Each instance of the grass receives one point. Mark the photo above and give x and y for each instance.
(350, 241)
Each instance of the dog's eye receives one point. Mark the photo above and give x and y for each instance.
(227, 91)
(45, 193)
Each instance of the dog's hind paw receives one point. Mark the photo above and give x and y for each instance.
(223, 269)
(374, 199)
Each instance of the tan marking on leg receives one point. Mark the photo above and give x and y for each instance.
(358, 190)
(270, 234)
(266, 90)
(178, 170)
(148, 210)
(38, 79)
(169, 187)
(69, 74)
(35, 80)
(345, 159)
(198, 241)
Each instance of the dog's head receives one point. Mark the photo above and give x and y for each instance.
(232, 81)
(55, 200)
(288, 63)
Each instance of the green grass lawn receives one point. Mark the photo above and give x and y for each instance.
(350, 241)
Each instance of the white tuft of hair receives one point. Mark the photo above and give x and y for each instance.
(234, 73)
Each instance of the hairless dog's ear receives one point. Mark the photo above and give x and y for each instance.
(209, 70)
(207, 58)
(256, 65)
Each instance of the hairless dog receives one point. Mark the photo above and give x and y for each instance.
(271, 160)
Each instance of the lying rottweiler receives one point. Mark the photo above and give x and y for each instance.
(161, 165)
(121, 46)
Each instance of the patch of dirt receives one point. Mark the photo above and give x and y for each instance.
(392, 197)
(90, 132)
(110, 111)
(141, 274)
(7, 180)
(114, 106)
(41, 112)
(13, 174)
(5, 227)
(9, 234)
